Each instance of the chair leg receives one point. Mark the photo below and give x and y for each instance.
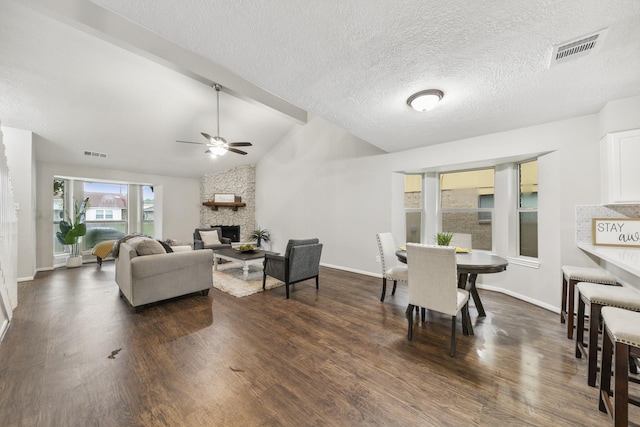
(580, 347)
(264, 281)
(621, 384)
(592, 349)
(452, 352)
(409, 314)
(384, 289)
(422, 313)
(465, 320)
(317, 283)
(393, 291)
(563, 305)
(570, 305)
(605, 374)
(286, 285)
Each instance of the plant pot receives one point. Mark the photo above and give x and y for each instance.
(74, 261)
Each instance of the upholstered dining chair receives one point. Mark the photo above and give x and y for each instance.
(301, 261)
(433, 284)
(392, 269)
(461, 240)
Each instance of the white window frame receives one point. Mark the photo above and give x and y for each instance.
(519, 209)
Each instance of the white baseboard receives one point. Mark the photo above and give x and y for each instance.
(488, 288)
(3, 329)
(45, 269)
(521, 297)
(351, 270)
(25, 279)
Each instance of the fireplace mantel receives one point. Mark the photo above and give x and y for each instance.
(232, 205)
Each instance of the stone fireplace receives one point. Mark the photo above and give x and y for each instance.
(239, 181)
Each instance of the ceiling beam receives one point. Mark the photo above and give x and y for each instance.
(106, 25)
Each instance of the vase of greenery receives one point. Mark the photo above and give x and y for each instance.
(260, 235)
(443, 239)
(72, 228)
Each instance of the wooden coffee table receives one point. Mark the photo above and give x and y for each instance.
(243, 258)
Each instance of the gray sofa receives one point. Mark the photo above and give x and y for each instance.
(146, 276)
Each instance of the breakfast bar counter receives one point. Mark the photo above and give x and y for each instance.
(627, 259)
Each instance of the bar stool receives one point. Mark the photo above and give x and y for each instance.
(572, 275)
(598, 296)
(620, 334)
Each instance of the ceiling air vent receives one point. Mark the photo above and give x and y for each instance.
(573, 49)
(95, 154)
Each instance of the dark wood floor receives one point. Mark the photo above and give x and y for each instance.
(77, 355)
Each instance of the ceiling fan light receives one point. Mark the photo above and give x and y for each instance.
(218, 150)
(425, 100)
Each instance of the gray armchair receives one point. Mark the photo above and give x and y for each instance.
(198, 242)
(301, 261)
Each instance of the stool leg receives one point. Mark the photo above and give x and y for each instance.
(621, 384)
(594, 326)
(604, 402)
(580, 328)
(570, 308)
(563, 306)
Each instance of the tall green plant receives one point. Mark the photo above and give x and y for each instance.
(73, 228)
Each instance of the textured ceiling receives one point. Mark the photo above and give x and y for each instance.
(353, 62)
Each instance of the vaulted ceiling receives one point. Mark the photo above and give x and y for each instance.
(130, 77)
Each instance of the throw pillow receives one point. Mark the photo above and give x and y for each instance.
(148, 247)
(210, 237)
(166, 247)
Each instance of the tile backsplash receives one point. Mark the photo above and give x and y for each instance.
(584, 214)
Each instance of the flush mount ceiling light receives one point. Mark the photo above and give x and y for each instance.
(425, 100)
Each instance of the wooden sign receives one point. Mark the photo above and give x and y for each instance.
(224, 198)
(616, 232)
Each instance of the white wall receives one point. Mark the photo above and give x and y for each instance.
(21, 160)
(322, 182)
(177, 203)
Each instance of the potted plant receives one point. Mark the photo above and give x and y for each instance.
(443, 239)
(260, 235)
(72, 229)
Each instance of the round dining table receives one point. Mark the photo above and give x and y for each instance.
(470, 264)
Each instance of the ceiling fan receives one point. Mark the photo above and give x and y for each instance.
(217, 145)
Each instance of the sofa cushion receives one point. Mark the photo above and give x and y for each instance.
(210, 237)
(146, 246)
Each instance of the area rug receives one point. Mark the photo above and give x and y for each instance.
(228, 279)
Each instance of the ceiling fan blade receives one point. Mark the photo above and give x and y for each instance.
(191, 142)
(240, 144)
(235, 150)
(206, 135)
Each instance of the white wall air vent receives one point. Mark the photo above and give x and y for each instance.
(95, 154)
(577, 48)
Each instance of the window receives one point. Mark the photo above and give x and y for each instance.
(108, 214)
(528, 209)
(466, 205)
(99, 214)
(148, 207)
(413, 207)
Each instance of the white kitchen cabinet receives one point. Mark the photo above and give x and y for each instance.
(620, 167)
